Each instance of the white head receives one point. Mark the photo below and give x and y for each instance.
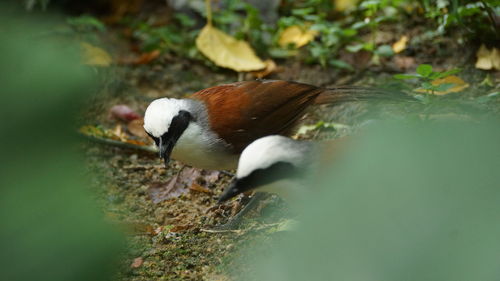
(266, 151)
(166, 120)
(268, 160)
(159, 115)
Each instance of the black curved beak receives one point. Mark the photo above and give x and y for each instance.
(232, 190)
(165, 148)
(167, 141)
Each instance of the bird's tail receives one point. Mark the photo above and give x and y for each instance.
(341, 94)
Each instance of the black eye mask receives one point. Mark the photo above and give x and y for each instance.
(168, 140)
(259, 177)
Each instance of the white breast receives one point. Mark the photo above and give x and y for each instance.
(199, 148)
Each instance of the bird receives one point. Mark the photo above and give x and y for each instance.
(281, 165)
(210, 129)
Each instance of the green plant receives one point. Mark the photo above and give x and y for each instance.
(86, 23)
(425, 77)
(478, 18)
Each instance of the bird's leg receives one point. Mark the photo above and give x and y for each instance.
(235, 221)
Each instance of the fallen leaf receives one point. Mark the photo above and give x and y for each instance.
(159, 192)
(123, 112)
(118, 132)
(158, 230)
(91, 131)
(187, 179)
(175, 187)
(148, 57)
(144, 58)
(226, 51)
(458, 85)
(196, 187)
(296, 35)
(211, 176)
(404, 62)
(137, 262)
(135, 127)
(361, 59)
(400, 45)
(270, 68)
(95, 56)
(342, 5)
(135, 142)
(488, 59)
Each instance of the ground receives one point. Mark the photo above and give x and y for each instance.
(171, 239)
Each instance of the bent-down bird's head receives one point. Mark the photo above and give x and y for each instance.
(165, 121)
(267, 162)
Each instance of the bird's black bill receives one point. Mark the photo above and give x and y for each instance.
(231, 191)
(166, 149)
(168, 140)
(259, 177)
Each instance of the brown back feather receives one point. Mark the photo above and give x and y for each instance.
(245, 111)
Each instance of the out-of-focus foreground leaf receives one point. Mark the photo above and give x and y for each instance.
(50, 228)
(226, 51)
(406, 202)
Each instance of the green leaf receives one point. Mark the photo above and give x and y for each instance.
(86, 22)
(354, 48)
(444, 87)
(369, 46)
(348, 32)
(405, 76)
(341, 64)
(448, 73)
(185, 20)
(428, 86)
(424, 69)
(385, 51)
(359, 25)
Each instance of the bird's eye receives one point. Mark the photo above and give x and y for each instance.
(157, 140)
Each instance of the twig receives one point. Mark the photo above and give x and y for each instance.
(237, 231)
(119, 143)
(240, 231)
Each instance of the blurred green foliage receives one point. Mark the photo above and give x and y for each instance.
(425, 76)
(51, 229)
(407, 201)
(477, 20)
(337, 30)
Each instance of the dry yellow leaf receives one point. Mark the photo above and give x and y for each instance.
(270, 68)
(488, 59)
(296, 35)
(342, 5)
(95, 56)
(226, 51)
(458, 85)
(400, 45)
